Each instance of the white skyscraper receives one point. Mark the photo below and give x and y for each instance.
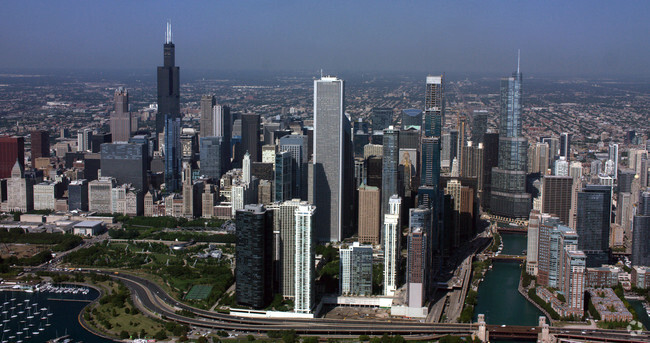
(561, 167)
(392, 245)
(304, 267)
(246, 168)
(332, 161)
(613, 156)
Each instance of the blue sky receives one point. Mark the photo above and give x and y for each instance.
(572, 37)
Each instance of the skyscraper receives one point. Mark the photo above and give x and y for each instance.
(382, 118)
(593, 220)
(355, 270)
(207, 121)
(434, 106)
(392, 239)
(40, 144)
(411, 118)
(286, 223)
(304, 261)
(430, 170)
(253, 272)
(369, 214)
(250, 132)
(390, 170)
(613, 156)
(12, 149)
(641, 232)
(479, 125)
(172, 154)
(332, 161)
(509, 197)
(296, 145)
(211, 159)
(556, 196)
(127, 163)
(283, 176)
(78, 195)
(246, 168)
(565, 145)
(416, 278)
(121, 117)
(169, 101)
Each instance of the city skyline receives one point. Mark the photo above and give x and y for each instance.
(553, 38)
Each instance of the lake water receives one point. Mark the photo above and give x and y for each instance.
(40, 316)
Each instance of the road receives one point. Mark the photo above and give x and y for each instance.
(154, 299)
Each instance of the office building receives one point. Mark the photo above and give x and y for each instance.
(369, 214)
(283, 176)
(434, 106)
(209, 116)
(430, 163)
(412, 118)
(417, 267)
(20, 190)
(390, 170)
(479, 125)
(121, 117)
(565, 145)
(391, 241)
(250, 127)
(613, 156)
(382, 118)
(40, 140)
(332, 161)
(508, 195)
(173, 154)
(211, 157)
(84, 138)
(78, 195)
(641, 232)
(12, 149)
(304, 260)
(253, 271)
(296, 145)
(534, 221)
(216, 121)
(127, 163)
(561, 167)
(538, 158)
(556, 196)
(593, 220)
(100, 195)
(169, 105)
(355, 270)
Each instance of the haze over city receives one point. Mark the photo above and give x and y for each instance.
(577, 38)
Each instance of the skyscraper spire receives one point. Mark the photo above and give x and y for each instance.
(518, 56)
(168, 33)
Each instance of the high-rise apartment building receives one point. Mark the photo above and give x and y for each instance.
(565, 145)
(613, 156)
(508, 195)
(369, 214)
(304, 259)
(40, 144)
(355, 270)
(253, 272)
(332, 161)
(285, 222)
(538, 158)
(417, 267)
(169, 101)
(573, 280)
(392, 238)
(121, 117)
(641, 232)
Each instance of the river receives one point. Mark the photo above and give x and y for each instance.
(63, 310)
(498, 297)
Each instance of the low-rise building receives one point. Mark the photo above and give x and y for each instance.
(600, 277)
(641, 276)
(608, 305)
(88, 228)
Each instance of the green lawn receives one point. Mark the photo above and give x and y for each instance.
(199, 292)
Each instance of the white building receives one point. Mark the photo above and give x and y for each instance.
(44, 195)
(391, 242)
(561, 167)
(246, 172)
(100, 195)
(355, 270)
(88, 228)
(304, 264)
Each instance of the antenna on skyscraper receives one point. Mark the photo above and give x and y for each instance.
(168, 34)
(321, 73)
(518, 56)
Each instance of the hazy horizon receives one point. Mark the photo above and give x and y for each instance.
(578, 38)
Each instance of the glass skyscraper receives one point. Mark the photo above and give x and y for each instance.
(172, 154)
(509, 197)
(169, 102)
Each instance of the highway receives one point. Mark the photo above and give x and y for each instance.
(151, 298)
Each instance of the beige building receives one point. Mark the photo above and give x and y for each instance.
(369, 219)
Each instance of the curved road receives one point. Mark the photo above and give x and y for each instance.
(154, 299)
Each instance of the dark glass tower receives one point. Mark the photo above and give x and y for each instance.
(169, 102)
(509, 197)
(172, 154)
(390, 171)
(593, 221)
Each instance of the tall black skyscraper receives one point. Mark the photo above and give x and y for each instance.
(565, 145)
(593, 220)
(641, 232)
(509, 197)
(390, 171)
(169, 101)
(250, 136)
